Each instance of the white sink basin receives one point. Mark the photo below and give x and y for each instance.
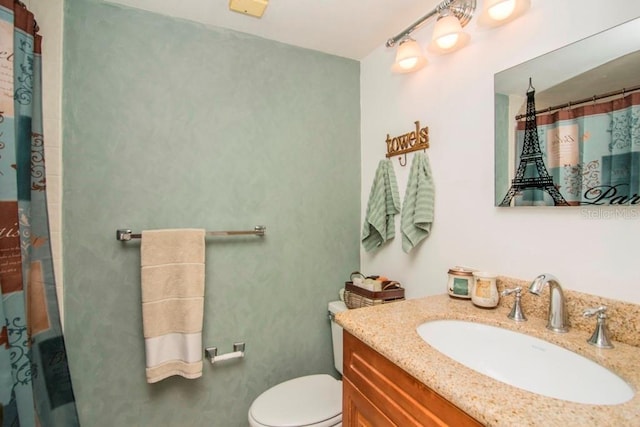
(526, 362)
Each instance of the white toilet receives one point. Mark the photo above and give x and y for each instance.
(310, 401)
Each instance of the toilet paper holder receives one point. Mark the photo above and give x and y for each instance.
(212, 353)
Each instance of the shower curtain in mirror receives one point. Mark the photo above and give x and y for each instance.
(592, 151)
(35, 385)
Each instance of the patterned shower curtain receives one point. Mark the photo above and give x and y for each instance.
(592, 152)
(35, 385)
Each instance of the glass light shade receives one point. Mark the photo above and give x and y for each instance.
(446, 31)
(448, 35)
(408, 63)
(409, 57)
(502, 9)
(448, 41)
(499, 12)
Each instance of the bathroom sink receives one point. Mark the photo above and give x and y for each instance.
(526, 362)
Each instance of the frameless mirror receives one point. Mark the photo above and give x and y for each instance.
(583, 148)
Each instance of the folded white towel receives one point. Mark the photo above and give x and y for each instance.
(417, 209)
(172, 276)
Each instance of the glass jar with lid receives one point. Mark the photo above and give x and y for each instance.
(460, 282)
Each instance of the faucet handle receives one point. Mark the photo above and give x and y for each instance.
(600, 311)
(516, 313)
(600, 337)
(517, 291)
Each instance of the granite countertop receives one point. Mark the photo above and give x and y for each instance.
(390, 329)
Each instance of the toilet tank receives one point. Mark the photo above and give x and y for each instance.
(336, 333)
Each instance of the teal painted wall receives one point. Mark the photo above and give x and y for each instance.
(172, 124)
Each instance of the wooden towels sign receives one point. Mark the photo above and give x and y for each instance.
(417, 139)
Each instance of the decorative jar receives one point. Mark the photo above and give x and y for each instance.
(460, 282)
(484, 292)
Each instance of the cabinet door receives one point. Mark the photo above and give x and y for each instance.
(358, 411)
(389, 393)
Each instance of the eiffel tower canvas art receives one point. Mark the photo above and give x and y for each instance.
(532, 156)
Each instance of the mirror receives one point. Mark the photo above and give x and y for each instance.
(587, 124)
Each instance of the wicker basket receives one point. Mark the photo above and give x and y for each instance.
(356, 297)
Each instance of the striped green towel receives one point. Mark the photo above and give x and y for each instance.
(384, 204)
(417, 208)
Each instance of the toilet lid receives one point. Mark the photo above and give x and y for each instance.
(299, 402)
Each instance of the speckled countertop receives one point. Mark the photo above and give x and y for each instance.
(390, 329)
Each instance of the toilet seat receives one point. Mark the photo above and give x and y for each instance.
(313, 401)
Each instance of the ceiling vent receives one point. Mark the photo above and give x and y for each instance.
(249, 7)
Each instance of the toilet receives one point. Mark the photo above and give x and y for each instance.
(309, 401)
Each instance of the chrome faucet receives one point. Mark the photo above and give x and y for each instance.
(558, 319)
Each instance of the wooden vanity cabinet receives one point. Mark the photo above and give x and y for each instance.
(377, 393)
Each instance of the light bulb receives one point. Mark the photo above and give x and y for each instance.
(502, 10)
(448, 41)
(408, 63)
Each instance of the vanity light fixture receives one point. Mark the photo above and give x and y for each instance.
(448, 34)
(452, 15)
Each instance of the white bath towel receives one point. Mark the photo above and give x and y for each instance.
(172, 276)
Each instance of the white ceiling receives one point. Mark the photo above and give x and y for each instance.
(347, 28)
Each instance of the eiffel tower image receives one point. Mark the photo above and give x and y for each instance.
(532, 155)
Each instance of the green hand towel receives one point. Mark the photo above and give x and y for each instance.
(417, 208)
(384, 204)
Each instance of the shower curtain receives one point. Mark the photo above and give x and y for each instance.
(592, 151)
(35, 385)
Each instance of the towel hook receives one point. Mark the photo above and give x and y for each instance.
(405, 160)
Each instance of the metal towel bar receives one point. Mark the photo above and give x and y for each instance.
(212, 353)
(259, 230)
